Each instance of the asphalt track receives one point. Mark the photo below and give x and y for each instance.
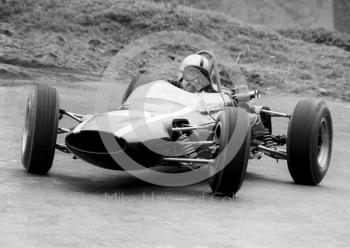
(78, 205)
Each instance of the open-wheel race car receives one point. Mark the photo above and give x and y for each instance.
(159, 124)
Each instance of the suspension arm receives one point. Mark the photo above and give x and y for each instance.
(62, 148)
(77, 117)
(63, 130)
(275, 114)
(191, 128)
(190, 160)
(273, 152)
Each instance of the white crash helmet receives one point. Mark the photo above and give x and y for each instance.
(197, 61)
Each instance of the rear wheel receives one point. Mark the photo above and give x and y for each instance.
(40, 130)
(309, 142)
(228, 171)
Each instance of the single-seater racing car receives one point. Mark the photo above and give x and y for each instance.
(159, 124)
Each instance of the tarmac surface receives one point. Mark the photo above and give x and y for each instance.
(78, 205)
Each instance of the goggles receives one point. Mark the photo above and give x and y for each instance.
(191, 74)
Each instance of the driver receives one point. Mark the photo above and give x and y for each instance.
(194, 76)
(195, 73)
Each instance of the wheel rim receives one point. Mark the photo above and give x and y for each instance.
(323, 144)
(26, 127)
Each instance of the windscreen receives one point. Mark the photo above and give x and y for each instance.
(160, 97)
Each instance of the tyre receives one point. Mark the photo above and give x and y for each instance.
(309, 142)
(228, 171)
(40, 130)
(135, 82)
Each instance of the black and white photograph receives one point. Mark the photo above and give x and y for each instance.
(174, 124)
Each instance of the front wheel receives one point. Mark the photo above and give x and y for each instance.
(309, 142)
(40, 130)
(233, 136)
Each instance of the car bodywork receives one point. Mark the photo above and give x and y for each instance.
(143, 126)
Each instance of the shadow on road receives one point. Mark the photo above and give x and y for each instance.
(103, 183)
(250, 177)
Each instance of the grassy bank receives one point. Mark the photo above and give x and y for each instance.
(83, 35)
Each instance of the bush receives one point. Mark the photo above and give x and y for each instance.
(319, 36)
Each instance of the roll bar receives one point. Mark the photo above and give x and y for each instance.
(216, 68)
